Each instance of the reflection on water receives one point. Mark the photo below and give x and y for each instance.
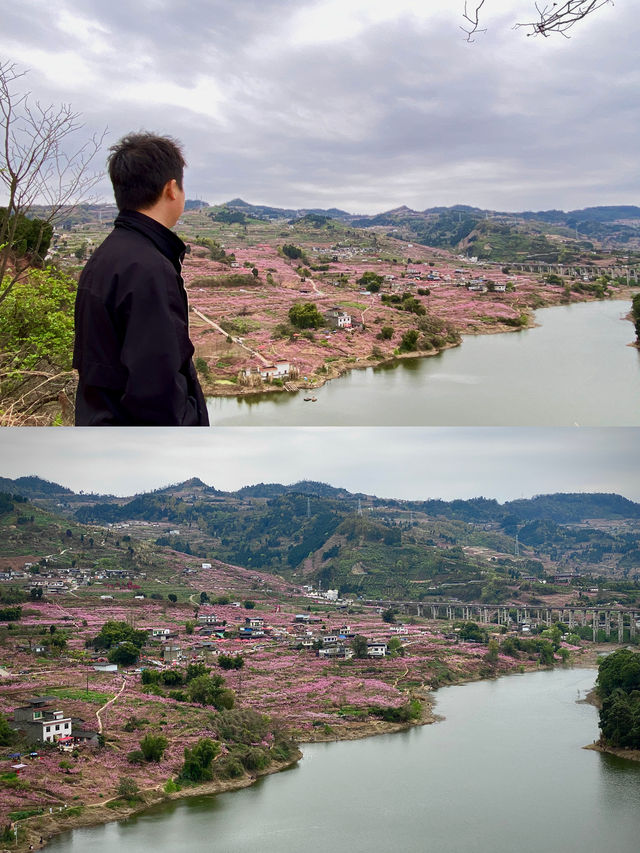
(503, 772)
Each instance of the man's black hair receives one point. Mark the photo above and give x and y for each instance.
(140, 165)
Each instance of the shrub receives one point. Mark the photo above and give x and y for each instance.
(128, 788)
(230, 767)
(198, 760)
(210, 690)
(291, 251)
(134, 722)
(36, 320)
(282, 750)
(409, 341)
(305, 315)
(230, 661)
(153, 747)
(253, 757)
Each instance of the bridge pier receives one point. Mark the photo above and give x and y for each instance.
(620, 627)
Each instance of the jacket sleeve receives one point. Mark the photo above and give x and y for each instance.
(156, 350)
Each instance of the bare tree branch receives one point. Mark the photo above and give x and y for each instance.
(558, 19)
(474, 20)
(552, 17)
(39, 164)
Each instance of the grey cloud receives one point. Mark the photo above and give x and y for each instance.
(417, 463)
(405, 113)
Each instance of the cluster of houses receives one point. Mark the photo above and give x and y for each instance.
(336, 644)
(56, 580)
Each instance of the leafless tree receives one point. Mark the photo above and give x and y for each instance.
(551, 17)
(41, 162)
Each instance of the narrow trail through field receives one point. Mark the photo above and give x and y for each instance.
(237, 341)
(67, 614)
(315, 287)
(110, 702)
(404, 674)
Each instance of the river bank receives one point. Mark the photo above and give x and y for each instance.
(363, 350)
(592, 698)
(629, 754)
(489, 381)
(277, 809)
(47, 826)
(333, 370)
(36, 831)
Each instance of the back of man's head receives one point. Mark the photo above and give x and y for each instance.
(140, 165)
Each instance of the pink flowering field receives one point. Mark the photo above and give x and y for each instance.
(257, 310)
(314, 697)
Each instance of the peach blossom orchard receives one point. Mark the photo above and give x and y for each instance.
(253, 312)
(314, 697)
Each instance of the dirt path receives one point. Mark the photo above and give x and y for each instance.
(110, 702)
(237, 341)
(66, 613)
(406, 672)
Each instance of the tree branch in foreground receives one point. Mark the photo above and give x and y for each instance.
(552, 17)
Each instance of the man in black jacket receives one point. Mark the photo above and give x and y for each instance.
(132, 348)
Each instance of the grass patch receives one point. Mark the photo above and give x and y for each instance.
(23, 814)
(233, 280)
(94, 696)
(358, 306)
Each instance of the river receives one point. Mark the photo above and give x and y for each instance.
(503, 772)
(574, 368)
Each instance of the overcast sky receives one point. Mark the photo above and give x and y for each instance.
(360, 104)
(416, 463)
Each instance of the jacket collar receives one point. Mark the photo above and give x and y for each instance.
(165, 240)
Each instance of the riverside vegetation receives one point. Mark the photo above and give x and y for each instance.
(202, 700)
(262, 285)
(618, 690)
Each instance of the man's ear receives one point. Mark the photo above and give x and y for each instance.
(171, 189)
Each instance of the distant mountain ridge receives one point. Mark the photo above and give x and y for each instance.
(358, 543)
(489, 234)
(32, 487)
(605, 213)
(560, 507)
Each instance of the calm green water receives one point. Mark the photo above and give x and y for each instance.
(503, 772)
(575, 368)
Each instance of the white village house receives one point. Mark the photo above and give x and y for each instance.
(40, 722)
(338, 319)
